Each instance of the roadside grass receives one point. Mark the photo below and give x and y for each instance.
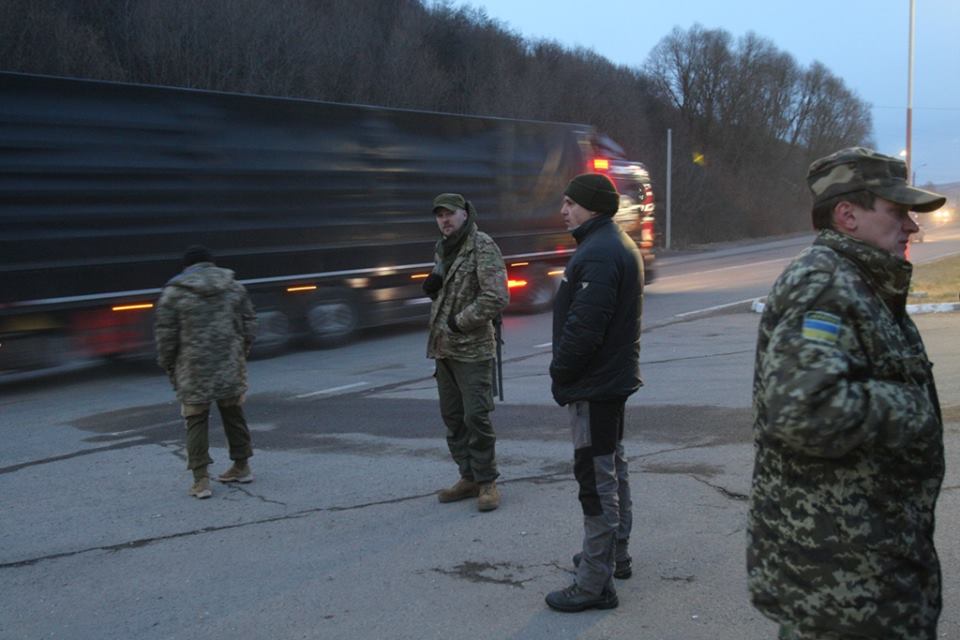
(940, 280)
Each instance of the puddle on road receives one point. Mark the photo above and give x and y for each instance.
(280, 422)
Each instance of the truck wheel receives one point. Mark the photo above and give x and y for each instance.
(273, 334)
(333, 320)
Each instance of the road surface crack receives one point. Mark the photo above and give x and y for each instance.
(143, 542)
(733, 495)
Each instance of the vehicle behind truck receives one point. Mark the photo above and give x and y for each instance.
(321, 209)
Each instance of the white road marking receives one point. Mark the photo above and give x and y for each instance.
(332, 390)
(720, 269)
(714, 308)
(543, 346)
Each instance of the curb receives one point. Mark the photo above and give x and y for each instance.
(913, 309)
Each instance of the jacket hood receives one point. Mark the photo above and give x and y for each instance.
(203, 278)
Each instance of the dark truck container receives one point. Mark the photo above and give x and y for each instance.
(321, 209)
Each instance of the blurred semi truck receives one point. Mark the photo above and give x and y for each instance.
(321, 209)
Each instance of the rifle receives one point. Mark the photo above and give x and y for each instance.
(498, 365)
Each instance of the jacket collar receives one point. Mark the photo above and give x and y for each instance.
(590, 226)
(887, 274)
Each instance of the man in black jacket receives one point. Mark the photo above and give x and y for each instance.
(595, 367)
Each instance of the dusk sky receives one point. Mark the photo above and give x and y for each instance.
(864, 42)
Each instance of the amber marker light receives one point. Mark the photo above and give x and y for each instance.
(519, 264)
(308, 287)
(555, 272)
(133, 307)
(419, 276)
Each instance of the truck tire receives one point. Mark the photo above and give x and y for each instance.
(333, 319)
(273, 334)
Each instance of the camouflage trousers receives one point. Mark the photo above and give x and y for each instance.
(600, 465)
(197, 417)
(466, 400)
(790, 632)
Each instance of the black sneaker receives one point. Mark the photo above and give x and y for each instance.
(573, 599)
(622, 571)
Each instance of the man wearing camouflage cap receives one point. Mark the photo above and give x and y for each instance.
(468, 287)
(848, 432)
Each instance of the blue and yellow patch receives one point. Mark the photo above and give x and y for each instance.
(821, 326)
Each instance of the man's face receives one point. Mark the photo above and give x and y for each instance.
(449, 221)
(887, 226)
(573, 214)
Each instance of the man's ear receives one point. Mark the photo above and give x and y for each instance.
(845, 217)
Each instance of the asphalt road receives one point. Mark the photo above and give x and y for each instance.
(340, 535)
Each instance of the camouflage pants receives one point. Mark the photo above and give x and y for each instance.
(790, 632)
(197, 418)
(466, 400)
(600, 465)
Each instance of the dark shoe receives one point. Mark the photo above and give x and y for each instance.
(622, 571)
(489, 496)
(239, 472)
(573, 599)
(461, 491)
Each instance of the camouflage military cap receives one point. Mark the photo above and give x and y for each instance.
(861, 169)
(451, 201)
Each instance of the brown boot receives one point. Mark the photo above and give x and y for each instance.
(489, 496)
(461, 491)
(239, 471)
(201, 488)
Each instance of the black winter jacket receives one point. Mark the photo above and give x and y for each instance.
(596, 317)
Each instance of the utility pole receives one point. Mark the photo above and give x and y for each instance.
(666, 243)
(909, 159)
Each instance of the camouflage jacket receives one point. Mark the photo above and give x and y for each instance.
(204, 327)
(848, 441)
(474, 291)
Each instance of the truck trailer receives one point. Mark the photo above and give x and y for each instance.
(322, 209)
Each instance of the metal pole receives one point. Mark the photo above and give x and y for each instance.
(666, 243)
(909, 159)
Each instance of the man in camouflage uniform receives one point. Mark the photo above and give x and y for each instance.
(469, 290)
(848, 431)
(205, 325)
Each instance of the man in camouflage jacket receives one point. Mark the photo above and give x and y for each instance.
(848, 431)
(204, 327)
(469, 290)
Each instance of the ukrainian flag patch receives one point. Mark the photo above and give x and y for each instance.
(821, 326)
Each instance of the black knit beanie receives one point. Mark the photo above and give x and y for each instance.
(196, 253)
(594, 192)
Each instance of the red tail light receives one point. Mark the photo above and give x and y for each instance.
(601, 164)
(516, 284)
(646, 233)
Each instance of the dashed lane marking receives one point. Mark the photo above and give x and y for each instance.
(332, 390)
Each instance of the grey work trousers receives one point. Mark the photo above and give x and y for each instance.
(466, 400)
(197, 417)
(600, 466)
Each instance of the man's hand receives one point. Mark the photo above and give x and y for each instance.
(452, 323)
(432, 285)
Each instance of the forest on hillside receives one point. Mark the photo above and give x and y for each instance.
(746, 118)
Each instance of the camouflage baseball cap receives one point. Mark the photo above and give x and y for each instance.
(861, 169)
(451, 201)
